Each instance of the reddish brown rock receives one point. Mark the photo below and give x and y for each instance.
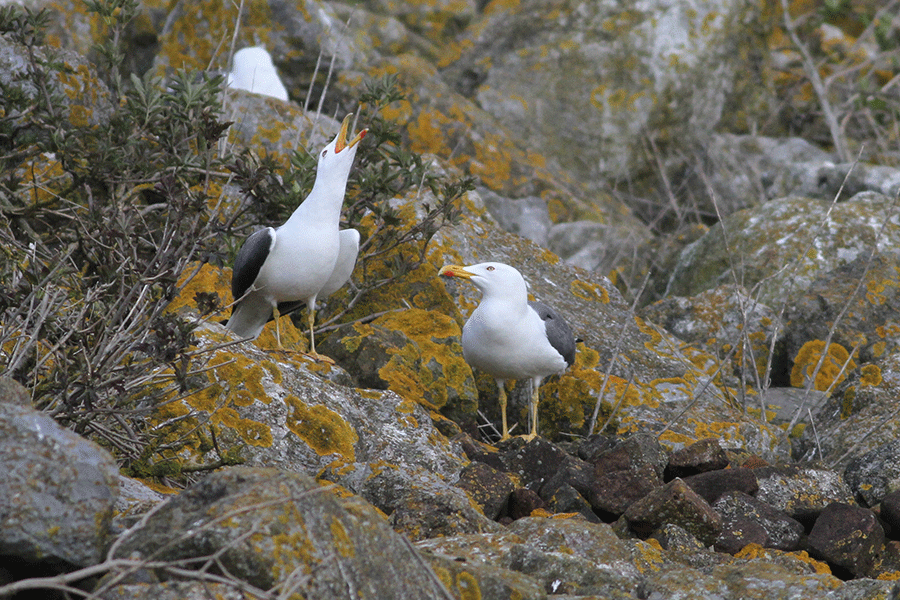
(701, 456)
(677, 504)
(488, 487)
(713, 484)
(849, 538)
(523, 502)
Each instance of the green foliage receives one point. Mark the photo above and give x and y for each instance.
(97, 223)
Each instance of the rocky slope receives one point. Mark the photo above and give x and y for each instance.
(735, 438)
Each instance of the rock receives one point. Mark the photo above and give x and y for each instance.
(58, 493)
(79, 95)
(416, 353)
(12, 392)
(858, 418)
(533, 463)
(701, 456)
(595, 246)
(802, 493)
(527, 217)
(746, 170)
(674, 503)
(890, 511)
(513, 60)
(852, 305)
(873, 475)
(741, 512)
(488, 487)
(848, 537)
(566, 499)
(719, 320)
(523, 502)
(846, 232)
(712, 484)
(626, 473)
(738, 533)
(420, 503)
(271, 528)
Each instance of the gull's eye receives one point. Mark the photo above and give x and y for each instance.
(324, 152)
(490, 268)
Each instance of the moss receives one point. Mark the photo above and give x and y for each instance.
(324, 430)
(829, 373)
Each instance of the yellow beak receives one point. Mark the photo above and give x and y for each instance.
(342, 136)
(455, 271)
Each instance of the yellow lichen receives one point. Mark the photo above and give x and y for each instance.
(835, 365)
(870, 375)
(342, 542)
(324, 430)
(252, 432)
(590, 292)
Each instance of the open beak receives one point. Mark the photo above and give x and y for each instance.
(455, 271)
(342, 136)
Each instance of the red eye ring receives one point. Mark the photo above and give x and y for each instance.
(490, 268)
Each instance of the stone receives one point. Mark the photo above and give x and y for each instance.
(874, 475)
(740, 511)
(488, 487)
(712, 484)
(677, 504)
(848, 537)
(701, 456)
(802, 493)
(58, 492)
(271, 528)
(523, 502)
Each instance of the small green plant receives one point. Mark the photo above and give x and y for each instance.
(97, 223)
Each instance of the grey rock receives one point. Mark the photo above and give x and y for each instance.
(527, 217)
(875, 474)
(802, 493)
(270, 528)
(57, 497)
(780, 531)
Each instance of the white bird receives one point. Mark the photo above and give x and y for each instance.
(278, 270)
(509, 337)
(253, 70)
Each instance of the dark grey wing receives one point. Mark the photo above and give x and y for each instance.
(250, 259)
(558, 331)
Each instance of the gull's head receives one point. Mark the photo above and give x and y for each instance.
(336, 159)
(495, 280)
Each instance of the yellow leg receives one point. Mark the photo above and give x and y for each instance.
(534, 414)
(502, 385)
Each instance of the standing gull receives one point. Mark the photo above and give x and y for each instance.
(278, 270)
(509, 337)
